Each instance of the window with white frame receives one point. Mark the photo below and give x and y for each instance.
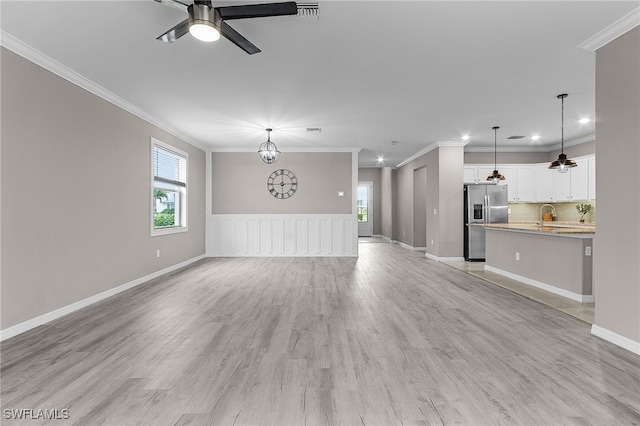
(169, 189)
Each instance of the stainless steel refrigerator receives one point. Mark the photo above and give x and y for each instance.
(483, 204)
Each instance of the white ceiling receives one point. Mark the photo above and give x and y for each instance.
(367, 73)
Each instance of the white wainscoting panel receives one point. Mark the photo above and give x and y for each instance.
(240, 235)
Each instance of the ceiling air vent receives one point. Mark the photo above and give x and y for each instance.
(515, 137)
(308, 11)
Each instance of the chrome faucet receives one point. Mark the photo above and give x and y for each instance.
(553, 212)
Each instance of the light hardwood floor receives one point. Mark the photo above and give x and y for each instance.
(388, 338)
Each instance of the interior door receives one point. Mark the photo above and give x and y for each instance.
(365, 209)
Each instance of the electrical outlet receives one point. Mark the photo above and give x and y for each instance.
(587, 251)
(435, 211)
(508, 211)
(157, 253)
(518, 255)
(432, 241)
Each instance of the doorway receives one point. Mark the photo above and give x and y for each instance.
(365, 209)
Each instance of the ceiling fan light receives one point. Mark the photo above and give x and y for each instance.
(204, 31)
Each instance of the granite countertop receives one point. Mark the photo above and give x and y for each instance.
(547, 228)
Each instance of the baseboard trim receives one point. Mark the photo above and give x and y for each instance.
(65, 310)
(559, 291)
(403, 245)
(616, 339)
(444, 259)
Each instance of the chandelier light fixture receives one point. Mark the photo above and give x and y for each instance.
(268, 151)
(562, 164)
(495, 176)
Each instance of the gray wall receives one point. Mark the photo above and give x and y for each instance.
(617, 275)
(450, 210)
(420, 207)
(586, 148)
(370, 174)
(403, 213)
(444, 168)
(538, 258)
(506, 157)
(387, 176)
(76, 194)
(239, 183)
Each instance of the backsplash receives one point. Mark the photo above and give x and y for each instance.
(565, 212)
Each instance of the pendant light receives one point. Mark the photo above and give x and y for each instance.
(562, 164)
(268, 151)
(495, 176)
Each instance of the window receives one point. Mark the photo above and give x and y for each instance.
(169, 189)
(363, 204)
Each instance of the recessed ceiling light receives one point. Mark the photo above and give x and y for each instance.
(380, 160)
(535, 137)
(394, 142)
(584, 120)
(314, 129)
(465, 137)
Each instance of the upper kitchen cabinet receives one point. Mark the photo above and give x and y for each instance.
(470, 174)
(537, 183)
(526, 184)
(574, 184)
(592, 178)
(544, 183)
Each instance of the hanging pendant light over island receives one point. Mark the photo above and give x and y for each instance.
(562, 164)
(495, 176)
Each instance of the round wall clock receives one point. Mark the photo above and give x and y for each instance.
(282, 183)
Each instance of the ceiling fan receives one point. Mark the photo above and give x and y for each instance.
(206, 22)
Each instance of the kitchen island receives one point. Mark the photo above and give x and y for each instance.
(557, 257)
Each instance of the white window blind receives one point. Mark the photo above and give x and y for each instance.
(169, 166)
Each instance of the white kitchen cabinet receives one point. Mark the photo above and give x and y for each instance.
(538, 183)
(592, 178)
(562, 185)
(526, 189)
(510, 174)
(484, 172)
(580, 181)
(470, 174)
(544, 183)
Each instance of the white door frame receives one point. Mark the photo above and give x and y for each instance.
(365, 229)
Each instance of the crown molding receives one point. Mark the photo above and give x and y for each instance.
(613, 31)
(429, 148)
(285, 149)
(28, 52)
(507, 149)
(547, 148)
(573, 142)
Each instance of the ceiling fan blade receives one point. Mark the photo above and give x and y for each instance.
(176, 32)
(237, 39)
(175, 4)
(258, 10)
